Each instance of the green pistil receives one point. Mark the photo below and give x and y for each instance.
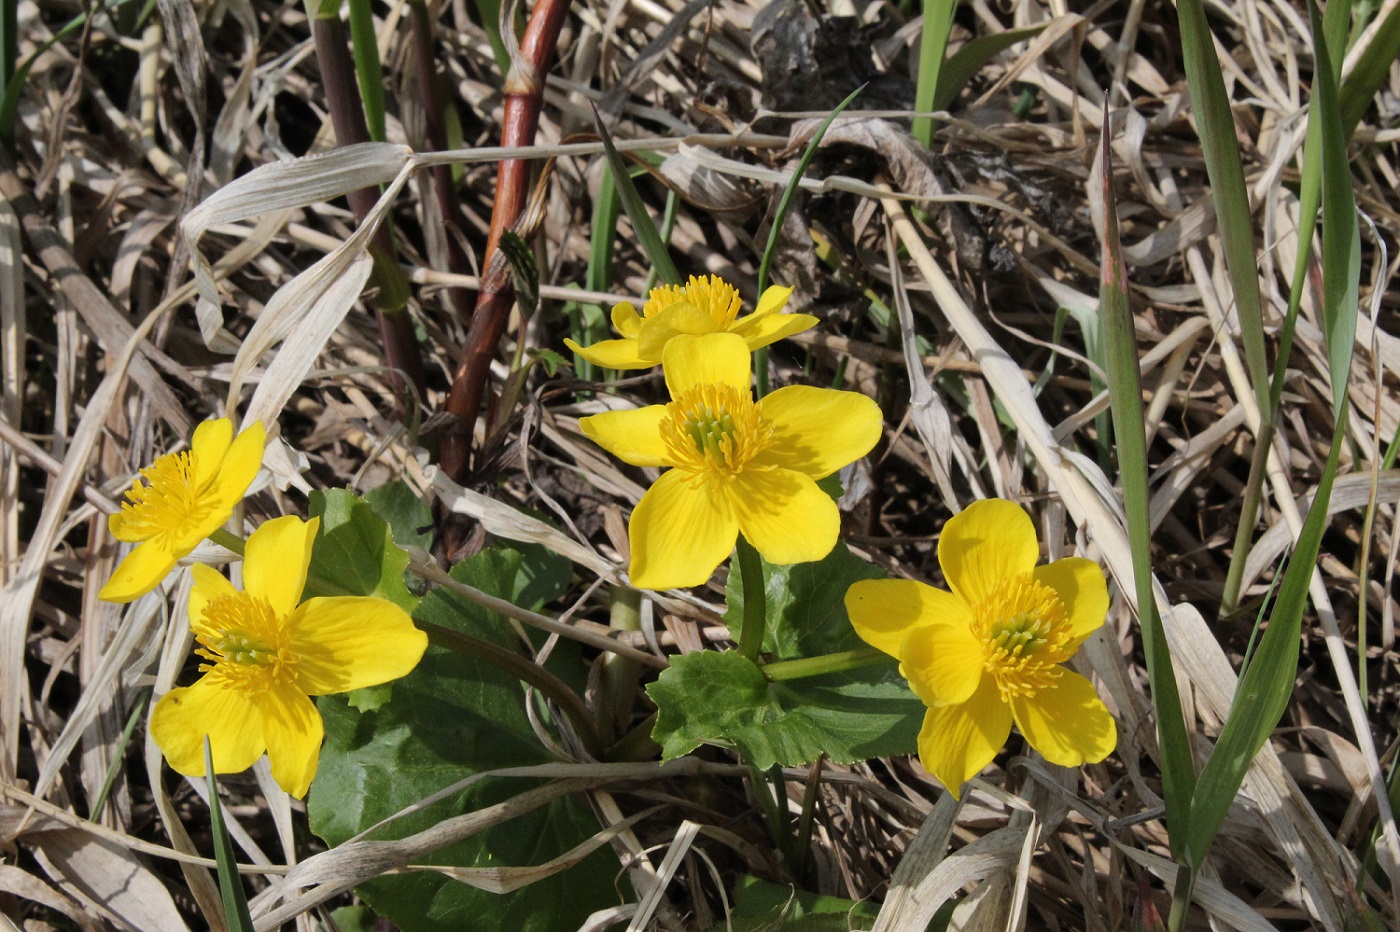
(239, 648)
(711, 432)
(1021, 635)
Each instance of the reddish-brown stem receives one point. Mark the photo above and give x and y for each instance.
(401, 351)
(524, 96)
(435, 129)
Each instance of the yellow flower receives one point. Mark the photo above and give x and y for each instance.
(738, 466)
(266, 654)
(990, 652)
(700, 306)
(187, 497)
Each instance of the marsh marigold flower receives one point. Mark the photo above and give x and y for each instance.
(702, 305)
(186, 496)
(266, 652)
(990, 652)
(738, 466)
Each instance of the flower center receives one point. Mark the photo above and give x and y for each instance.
(714, 429)
(246, 642)
(168, 504)
(709, 293)
(1024, 630)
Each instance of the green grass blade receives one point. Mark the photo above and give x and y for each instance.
(368, 71)
(589, 325)
(647, 235)
(490, 13)
(1216, 127)
(968, 60)
(230, 883)
(760, 356)
(933, 44)
(1370, 72)
(1267, 685)
(1341, 237)
(1125, 393)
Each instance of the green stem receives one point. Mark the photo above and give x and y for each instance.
(755, 601)
(826, 663)
(1181, 898)
(527, 672)
(228, 540)
(620, 675)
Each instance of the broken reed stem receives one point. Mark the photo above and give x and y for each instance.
(524, 95)
(401, 352)
(435, 130)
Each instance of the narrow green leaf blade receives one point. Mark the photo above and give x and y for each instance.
(933, 45)
(1372, 68)
(235, 900)
(1216, 127)
(647, 235)
(1119, 342)
(1267, 684)
(1341, 237)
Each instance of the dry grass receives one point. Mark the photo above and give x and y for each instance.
(105, 365)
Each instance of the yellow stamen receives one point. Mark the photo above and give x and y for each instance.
(710, 293)
(1024, 632)
(247, 643)
(168, 504)
(714, 429)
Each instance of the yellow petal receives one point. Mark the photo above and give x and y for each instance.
(716, 358)
(612, 354)
(816, 431)
(884, 611)
(957, 742)
(141, 571)
(626, 320)
(784, 515)
(239, 468)
(679, 533)
(990, 541)
(293, 730)
(761, 331)
(671, 322)
(631, 436)
(209, 444)
(183, 717)
(209, 584)
(350, 642)
(943, 662)
(773, 300)
(1068, 723)
(275, 561)
(1082, 588)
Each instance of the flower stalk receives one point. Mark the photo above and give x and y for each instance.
(806, 667)
(755, 601)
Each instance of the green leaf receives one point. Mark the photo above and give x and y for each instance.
(959, 68)
(551, 360)
(648, 237)
(451, 717)
(231, 891)
(760, 906)
(806, 604)
(719, 697)
(1267, 684)
(355, 553)
(1372, 69)
(409, 516)
(1119, 340)
(1216, 126)
(933, 45)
